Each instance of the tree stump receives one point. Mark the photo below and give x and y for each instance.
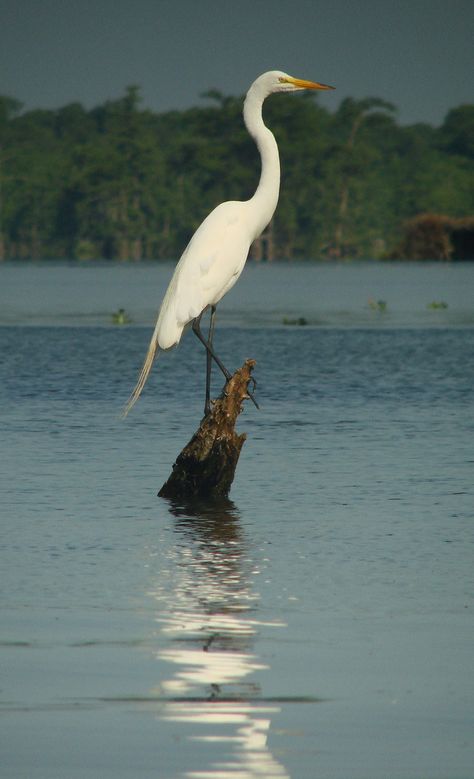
(206, 466)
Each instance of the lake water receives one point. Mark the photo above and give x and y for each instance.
(317, 625)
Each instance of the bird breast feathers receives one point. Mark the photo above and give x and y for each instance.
(212, 261)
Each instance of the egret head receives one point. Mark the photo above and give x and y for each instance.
(277, 81)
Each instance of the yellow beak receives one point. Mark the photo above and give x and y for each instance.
(302, 84)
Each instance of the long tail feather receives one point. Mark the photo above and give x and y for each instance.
(152, 350)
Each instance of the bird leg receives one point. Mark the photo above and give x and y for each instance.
(211, 355)
(207, 406)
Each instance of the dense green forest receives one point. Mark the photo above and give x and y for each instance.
(122, 182)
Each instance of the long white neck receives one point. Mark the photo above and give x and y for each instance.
(262, 205)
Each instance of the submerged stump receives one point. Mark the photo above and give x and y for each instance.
(206, 466)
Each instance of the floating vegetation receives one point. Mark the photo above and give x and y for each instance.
(437, 304)
(121, 317)
(377, 305)
(300, 321)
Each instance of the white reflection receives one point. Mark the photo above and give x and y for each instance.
(208, 628)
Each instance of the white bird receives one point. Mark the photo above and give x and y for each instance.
(216, 254)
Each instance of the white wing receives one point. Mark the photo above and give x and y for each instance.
(210, 265)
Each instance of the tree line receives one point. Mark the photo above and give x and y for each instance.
(122, 182)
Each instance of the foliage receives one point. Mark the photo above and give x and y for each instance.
(120, 181)
(436, 237)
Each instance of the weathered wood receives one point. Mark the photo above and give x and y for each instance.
(206, 466)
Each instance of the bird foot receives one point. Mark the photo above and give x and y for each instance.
(250, 394)
(208, 408)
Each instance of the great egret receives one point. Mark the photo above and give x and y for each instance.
(216, 254)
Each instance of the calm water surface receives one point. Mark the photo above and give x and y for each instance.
(318, 624)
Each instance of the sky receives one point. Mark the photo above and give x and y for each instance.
(417, 54)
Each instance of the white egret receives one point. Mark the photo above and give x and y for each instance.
(216, 254)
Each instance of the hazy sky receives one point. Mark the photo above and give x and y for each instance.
(418, 54)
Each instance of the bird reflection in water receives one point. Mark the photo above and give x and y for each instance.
(208, 629)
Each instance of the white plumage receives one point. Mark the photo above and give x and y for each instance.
(216, 254)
